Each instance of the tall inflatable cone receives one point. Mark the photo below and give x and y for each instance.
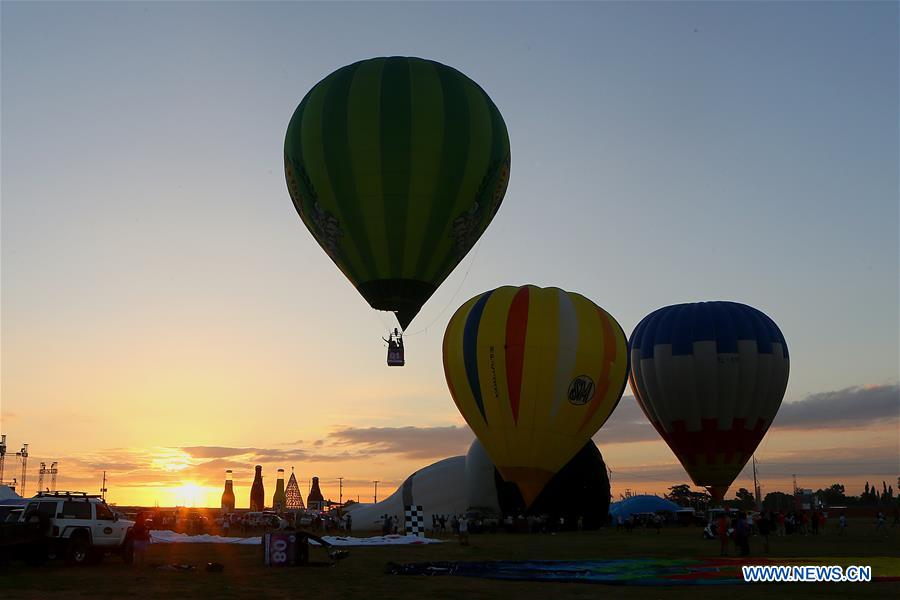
(529, 480)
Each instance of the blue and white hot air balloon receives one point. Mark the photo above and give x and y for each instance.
(710, 376)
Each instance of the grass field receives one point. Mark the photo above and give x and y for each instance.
(363, 575)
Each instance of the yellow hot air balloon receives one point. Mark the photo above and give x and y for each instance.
(535, 372)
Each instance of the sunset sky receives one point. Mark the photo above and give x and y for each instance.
(166, 315)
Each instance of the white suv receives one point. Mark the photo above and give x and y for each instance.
(78, 526)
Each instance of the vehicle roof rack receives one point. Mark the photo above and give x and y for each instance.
(66, 494)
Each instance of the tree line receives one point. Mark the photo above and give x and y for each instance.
(834, 495)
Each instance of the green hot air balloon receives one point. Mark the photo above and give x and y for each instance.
(397, 166)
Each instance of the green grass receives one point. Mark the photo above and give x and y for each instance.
(363, 575)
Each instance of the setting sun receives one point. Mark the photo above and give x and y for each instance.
(190, 494)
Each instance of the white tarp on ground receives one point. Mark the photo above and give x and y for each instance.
(171, 537)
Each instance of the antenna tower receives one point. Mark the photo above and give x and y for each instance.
(3, 455)
(23, 454)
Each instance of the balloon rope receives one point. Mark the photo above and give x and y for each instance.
(455, 294)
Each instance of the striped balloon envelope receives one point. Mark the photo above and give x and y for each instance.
(397, 166)
(535, 373)
(710, 376)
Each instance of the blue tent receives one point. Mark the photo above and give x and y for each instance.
(641, 504)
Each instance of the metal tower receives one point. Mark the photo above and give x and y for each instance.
(3, 455)
(53, 471)
(23, 454)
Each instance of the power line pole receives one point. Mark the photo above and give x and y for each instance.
(341, 490)
(41, 473)
(103, 489)
(376, 491)
(756, 490)
(53, 471)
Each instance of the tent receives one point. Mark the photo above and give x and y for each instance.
(9, 497)
(641, 504)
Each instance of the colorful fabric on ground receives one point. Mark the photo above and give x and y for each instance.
(636, 571)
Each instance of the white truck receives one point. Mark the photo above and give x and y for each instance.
(78, 527)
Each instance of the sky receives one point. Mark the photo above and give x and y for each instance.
(165, 315)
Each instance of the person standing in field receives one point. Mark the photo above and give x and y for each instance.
(742, 534)
(880, 523)
(140, 536)
(463, 531)
(842, 524)
(764, 525)
(722, 532)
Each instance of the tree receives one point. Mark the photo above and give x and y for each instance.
(744, 499)
(778, 501)
(680, 494)
(683, 496)
(834, 495)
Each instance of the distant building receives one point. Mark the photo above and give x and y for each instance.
(806, 499)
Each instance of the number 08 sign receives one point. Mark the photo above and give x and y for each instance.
(279, 549)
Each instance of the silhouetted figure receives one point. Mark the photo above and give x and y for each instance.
(722, 532)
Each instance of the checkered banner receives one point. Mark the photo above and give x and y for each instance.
(415, 520)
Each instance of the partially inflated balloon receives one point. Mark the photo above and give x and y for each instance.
(710, 377)
(535, 372)
(396, 166)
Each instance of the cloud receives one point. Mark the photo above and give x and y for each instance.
(628, 423)
(850, 407)
(854, 407)
(408, 442)
(837, 462)
(215, 451)
(840, 462)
